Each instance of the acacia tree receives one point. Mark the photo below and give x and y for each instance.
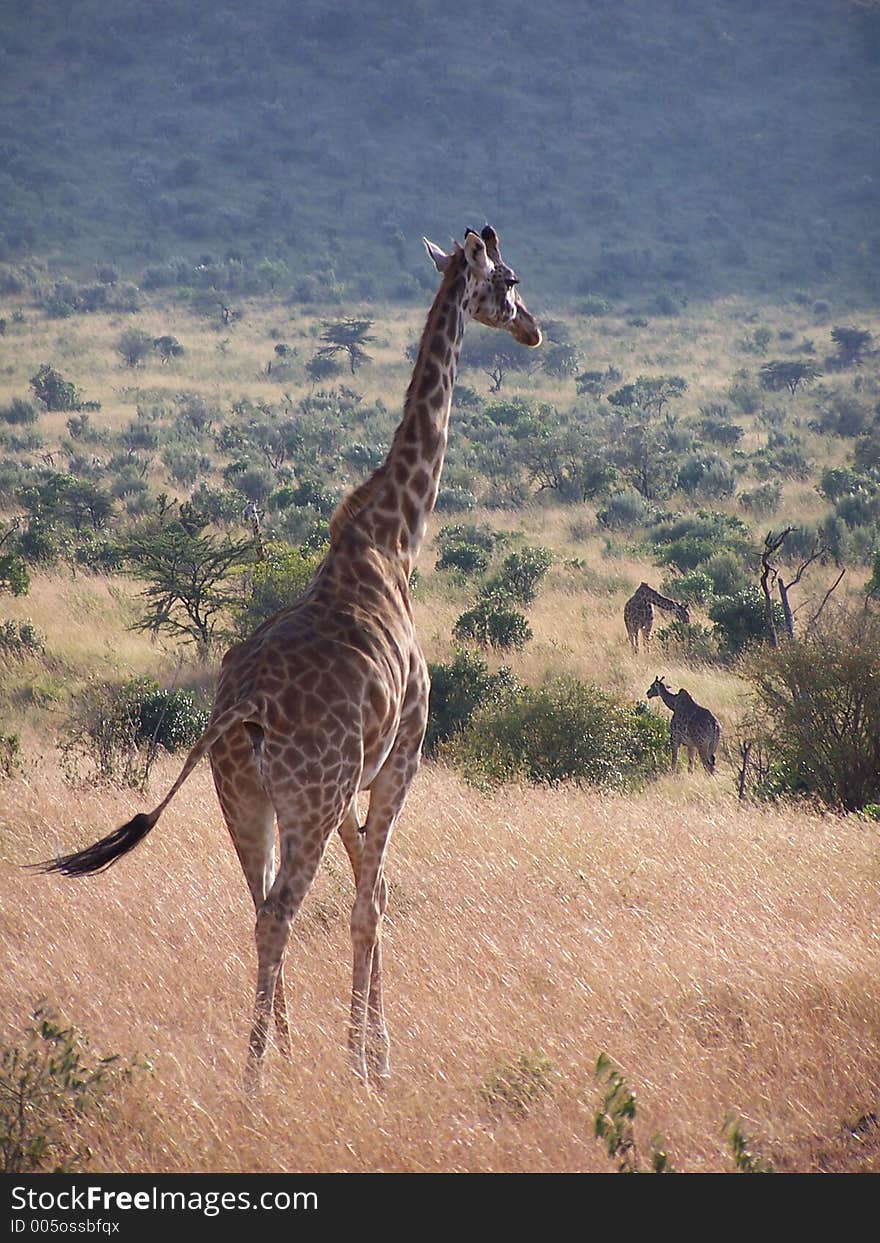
(781, 374)
(346, 336)
(851, 344)
(189, 587)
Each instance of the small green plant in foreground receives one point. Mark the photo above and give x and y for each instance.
(745, 1161)
(614, 1124)
(47, 1082)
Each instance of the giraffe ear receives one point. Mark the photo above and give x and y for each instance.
(438, 257)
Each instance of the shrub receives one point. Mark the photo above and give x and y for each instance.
(710, 477)
(457, 690)
(492, 623)
(10, 754)
(521, 573)
(818, 706)
(48, 1082)
(514, 1087)
(479, 534)
(695, 587)
(274, 583)
(20, 639)
(624, 511)
(14, 576)
(53, 390)
(116, 730)
(688, 641)
(741, 619)
(716, 427)
(763, 499)
(565, 731)
(133, 346)
(18, 411)
(727, 572)
(467, 558)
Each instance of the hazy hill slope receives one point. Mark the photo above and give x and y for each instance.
(707, 146)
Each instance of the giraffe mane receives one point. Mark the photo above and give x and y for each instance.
(353, 502)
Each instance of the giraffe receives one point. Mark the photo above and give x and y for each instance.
(330, 696)
(638, 613)
(691, 726)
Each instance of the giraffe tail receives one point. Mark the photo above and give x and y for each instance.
(102, 854)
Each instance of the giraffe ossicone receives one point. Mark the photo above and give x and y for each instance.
(330, 696)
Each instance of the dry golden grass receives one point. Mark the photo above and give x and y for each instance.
(726, 958)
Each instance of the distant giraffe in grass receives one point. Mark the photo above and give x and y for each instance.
(638, 613)
(692, 726)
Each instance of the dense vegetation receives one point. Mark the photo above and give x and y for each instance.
(667, 147)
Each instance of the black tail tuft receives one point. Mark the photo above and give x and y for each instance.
(98, 857)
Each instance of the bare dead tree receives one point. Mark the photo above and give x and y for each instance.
(770, 577)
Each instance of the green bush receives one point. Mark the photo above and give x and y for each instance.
(726, 570)
(818, 708)
(688, 641)
(741, 619)
(115, 731)
(695, 587)
(53, 390)
(565, 731)
(763, 499)
(48, 1083)
(710, 477)
(466, 558)
(20, 639)
(273, 584)
(492, 623)
(521, 573)
(18, 411)
(624, 511)
(457, 690)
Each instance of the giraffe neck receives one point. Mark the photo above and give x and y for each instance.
(662, 602)
(667, 696)
(391, 508)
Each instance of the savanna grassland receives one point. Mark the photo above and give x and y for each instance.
(723, 954)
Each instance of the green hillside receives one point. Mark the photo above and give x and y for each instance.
(653, 148)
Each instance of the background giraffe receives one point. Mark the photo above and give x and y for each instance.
(638, 613)
(692, 726)
(330, 696)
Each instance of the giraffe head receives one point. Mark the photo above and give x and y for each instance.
(491, 297)
(656, 687)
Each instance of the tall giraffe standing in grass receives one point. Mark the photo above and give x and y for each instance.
(330, 696)
(638, 613)
(692, 726)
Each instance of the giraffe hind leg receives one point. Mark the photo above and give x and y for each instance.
(250, 819)
(377, 1044)
(274, 919)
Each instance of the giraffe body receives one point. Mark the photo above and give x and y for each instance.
(692, 726)
(330, 696)
(638, 613)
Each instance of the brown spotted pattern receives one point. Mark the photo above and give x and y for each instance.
(638, 613)
(330, 696)
(692, 726)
